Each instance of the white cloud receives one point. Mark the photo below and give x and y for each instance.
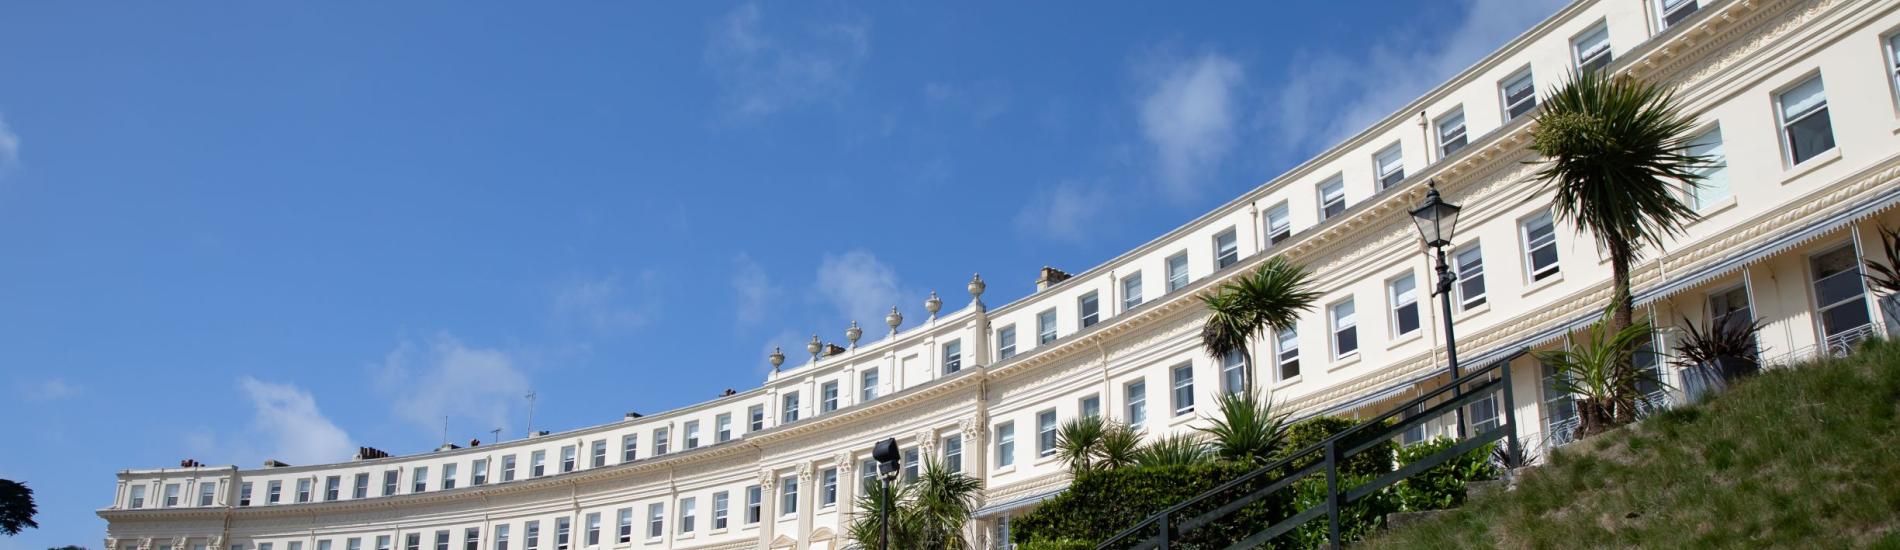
(1064, 212)
(1327, 95)
(858, 285)
(9, 145)
(603, 305)
(289, 426)
(1187, 115)
(478, 389)
(53, 389)
(762, 72)
(754, 287)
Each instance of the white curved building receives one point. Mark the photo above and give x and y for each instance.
(1802, 97)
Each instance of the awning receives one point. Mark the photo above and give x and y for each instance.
(1777, 245)
(1012, 505)
(1483, 360)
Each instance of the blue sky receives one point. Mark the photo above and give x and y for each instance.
(247, 230)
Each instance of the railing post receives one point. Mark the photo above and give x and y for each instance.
(1167, 532)
(1332, 494)
(1514, 457)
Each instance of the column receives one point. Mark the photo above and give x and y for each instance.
(768, 506)
(847, 493)
(806, 491)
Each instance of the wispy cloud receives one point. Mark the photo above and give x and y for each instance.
(762, 72)
(605, 304)
(1064, 212)
(9, 145)
(286, 425)
(754, 288)
(1328, 95)
(476, 388)
(980, 101)
(52, 389)
(858, 285)
(1187, 114)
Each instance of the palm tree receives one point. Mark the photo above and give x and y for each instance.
(1615, 153)
(1245, 429)
(1079, 440)
(1173, 450)
(1593, 371)
(928, 514)
(1267, 300)
(1121, 446)
(16, 507)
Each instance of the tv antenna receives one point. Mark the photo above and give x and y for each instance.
(530, 412)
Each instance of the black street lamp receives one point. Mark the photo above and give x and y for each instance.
(887, 456)
(1436, 221)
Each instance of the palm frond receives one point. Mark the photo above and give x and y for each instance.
(1173, 450)
(1885, 278)
(1078, 441)
(1245, 428)
(1121, 445)
(1615, 154)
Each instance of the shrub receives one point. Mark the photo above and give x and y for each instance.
(1442, 486)
(1356, 520)
(1056, 544)
(1101, 503)
(1306, 433)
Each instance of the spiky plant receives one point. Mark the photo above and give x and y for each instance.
(929, 513)
(1266, 300)
(1121, 445)
(1245, 428)
(1173, 450)
(1615, 158)
(1592, 371)
(1079, 440)
(1885, 278)
(1722, 353)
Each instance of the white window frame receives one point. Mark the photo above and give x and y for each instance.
(1504, 94)
(1398, 302)
(1186, 275)
(1332, 192)
(788, 407)
(662, 441)
(1181, 388)
(1466, 273)
(689, 514)
(1047, 424)
(1664, 11)
(827, 396)
(1131, 291)
(1088, 309)
(1135, 393)
(1891, 44)
(1228, 253)
(1583, 56)
(1048, 327)
(1005, 342)
(1783, 123)
(1388, 165)
(1446, 139)
(1532, 273)
(1286, 353)
(867, 384)
(952, 356)
(1279, 222)
(691, 430)
(1339, 325)
(1715, 177)
(1005, 444)
(1089, 405)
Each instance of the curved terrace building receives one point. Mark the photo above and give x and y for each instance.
(1801, 98)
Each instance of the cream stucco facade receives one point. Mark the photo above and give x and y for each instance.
(1769, 246)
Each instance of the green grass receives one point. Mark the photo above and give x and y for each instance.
(1805, 456)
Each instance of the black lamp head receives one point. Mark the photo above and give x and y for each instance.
(887, 455)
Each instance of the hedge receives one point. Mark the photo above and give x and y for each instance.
(1101, 503)
(1442, 486)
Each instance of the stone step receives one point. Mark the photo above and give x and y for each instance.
(1396, 520)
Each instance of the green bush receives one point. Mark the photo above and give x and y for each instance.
(1442, 486)
(1356, 520)
(1100, 504)
(1306, 433)
(1057, 544)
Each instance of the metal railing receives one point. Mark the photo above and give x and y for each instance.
(1843, 343)
(1166, 528)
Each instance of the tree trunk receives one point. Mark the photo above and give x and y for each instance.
(1246, 370)
(1621, 316)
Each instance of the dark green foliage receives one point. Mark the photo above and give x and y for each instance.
(1442, 486)
(1798, 457)
(1079, 441)
(1309, 432)
(1104, 502)
(1173, 450)
(926, 514)
(1245, 429)
(16, 507)
(1356, 519)
(1268, 300)
(1058, 544)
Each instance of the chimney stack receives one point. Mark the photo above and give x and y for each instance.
(1050, 277)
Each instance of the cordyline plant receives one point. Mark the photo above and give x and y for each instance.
(1592, 370)
(1267, 300)
(1722, 353)
(1615, 158)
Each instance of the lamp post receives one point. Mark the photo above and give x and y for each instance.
(1436, 220)
(887, 456)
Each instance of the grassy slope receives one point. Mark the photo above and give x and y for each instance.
(1805, 457)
